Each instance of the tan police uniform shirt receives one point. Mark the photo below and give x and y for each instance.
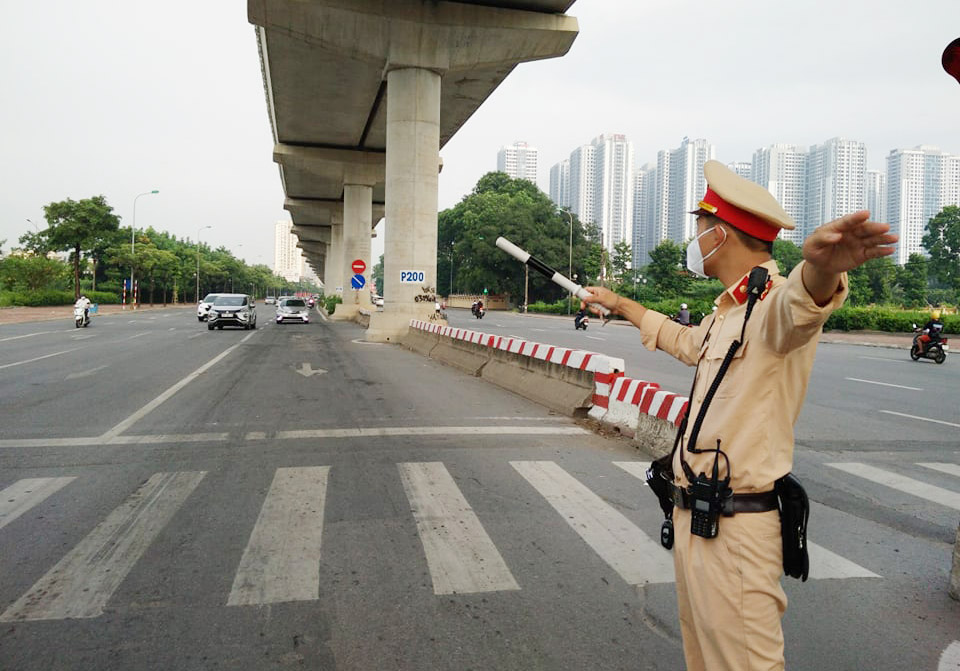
(759, 399)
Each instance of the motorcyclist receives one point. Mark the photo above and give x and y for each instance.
(581, 313)
(683, 316)
(477, 307)
(83, 302)
(931, 331)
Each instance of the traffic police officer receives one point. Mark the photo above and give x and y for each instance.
(728, 587)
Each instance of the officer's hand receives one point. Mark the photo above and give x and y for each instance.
(847, 242)
(602, 296)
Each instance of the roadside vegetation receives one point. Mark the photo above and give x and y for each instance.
(84, 249)
(883, 296)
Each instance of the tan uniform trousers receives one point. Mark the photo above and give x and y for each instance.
(729, 593)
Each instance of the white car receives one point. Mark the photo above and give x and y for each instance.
(203, 307)
(293, 310)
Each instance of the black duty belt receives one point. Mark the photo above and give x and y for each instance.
(761, 502)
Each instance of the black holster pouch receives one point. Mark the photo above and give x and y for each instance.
(660, 481)
(794, 513)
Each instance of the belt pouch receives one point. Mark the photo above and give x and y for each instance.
(660, 481)
(794, 513)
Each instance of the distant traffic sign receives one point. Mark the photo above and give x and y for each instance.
(358, 266)
(357, 281)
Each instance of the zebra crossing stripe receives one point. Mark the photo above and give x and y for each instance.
(460, 555)
(619, 542)
(281, 558)
(902, 483)
(23, 495)
(83, 581)
(949, 469)
(823, 563)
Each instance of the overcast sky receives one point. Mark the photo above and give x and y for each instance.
(119, 98)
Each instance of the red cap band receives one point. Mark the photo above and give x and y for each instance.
(749, 223)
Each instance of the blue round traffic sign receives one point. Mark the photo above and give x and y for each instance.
(357, 281)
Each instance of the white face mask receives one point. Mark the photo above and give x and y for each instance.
(695, 257)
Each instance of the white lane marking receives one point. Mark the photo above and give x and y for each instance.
(823, 563)
(172, 328)
(28, 335)
(460, 555)
(539, 330)
(23, 495)
(950, 659)
(152, 405)
(39, 358)
(195, 335)
(619, 542)
(431, 431)
(922, 419)
(138, 335)
(949, 469)
(880, 358)
(361, 341)
(462, 431)
(84, 580)
(882, 384)
(594, 338)
(82, 337)
(86, 373)
(637, 469)
(280, 561)
(521, 419)
(902, 483)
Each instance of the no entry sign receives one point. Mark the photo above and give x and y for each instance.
(358, 266)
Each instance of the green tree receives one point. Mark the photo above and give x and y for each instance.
(376, 275)
(32, 273)
(912, 279)
(942, 242)
(787, 255)
(622, 258)
(517, 210)
(872, 282)
(77, 226)
(667, 269)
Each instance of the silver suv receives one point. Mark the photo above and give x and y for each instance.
(232, 310)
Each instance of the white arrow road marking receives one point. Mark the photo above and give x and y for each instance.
(86, 373)
(950, 659)
(307, 370)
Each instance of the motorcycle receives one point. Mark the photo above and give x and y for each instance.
(80, 317)
(582, 323)
(935, 350)
(478, 311)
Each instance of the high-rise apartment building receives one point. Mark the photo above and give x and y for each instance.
(920, 183)
(583, 177)
(836, 175)
(560, 183)
(287, 257)
(782, 170)
(644, 214)
(613, 202)
(875, 188)
(742, 168)
(519, 160)
(686, 186)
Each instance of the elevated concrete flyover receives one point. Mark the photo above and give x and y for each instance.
(362, 94)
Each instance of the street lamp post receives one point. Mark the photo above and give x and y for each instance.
(133, 230)
(35, 227)
(198, 260)
(570, 259)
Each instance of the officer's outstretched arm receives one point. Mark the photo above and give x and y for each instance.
(840, 246)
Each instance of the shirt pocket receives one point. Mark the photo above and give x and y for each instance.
(734, 377)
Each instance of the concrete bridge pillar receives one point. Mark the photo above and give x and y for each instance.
(334, 264)
(410, 240)
(357, 222)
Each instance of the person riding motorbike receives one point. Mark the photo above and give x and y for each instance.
(477, 307)
(84, 302)
(931, 331)
(683, 316)
(581, 313)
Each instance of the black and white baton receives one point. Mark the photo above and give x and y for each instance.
(547, 271)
